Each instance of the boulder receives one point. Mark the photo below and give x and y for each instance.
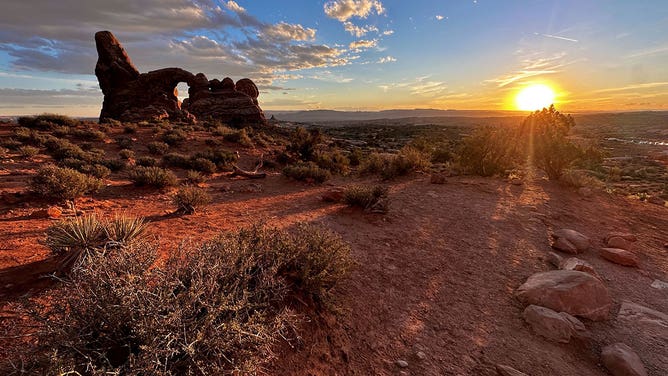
(620, 240)
(624, 235)
(503, 370)
(619, 256)
(570, 241)
(246, 86)
(652, 322)
(555, 326)
(621, 360)
(574, 292)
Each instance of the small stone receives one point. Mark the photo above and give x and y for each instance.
(555, 259)
(619, 242)
(619, 256)
(508, 371)
(421, 355)
(54, 212)
(574, 263)
(621, 360)
(554, 326)
(659, 285)
(401, 363)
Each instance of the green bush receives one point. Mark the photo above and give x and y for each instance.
(365, 197)
(124, 142)
(220, 157)
(176, 160)
(157, 148)
(334, 161)
(152, 176)
(202, 165)
(488, 151)
(239, 137)
(62, 149)
(304, 143)
(114, 165)
(188, 199)
(219, 309)
(390, 166)
(63, 183)
(194, 177)
(88, 134)
(174, 137)
(308, 171)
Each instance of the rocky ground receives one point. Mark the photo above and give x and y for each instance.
(434, 290)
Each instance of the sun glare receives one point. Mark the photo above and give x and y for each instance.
(534, 97)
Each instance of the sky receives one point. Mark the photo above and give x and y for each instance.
(597, 55)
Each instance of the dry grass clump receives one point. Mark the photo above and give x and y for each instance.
(215, 310)
(309, 172)
(188, 199)
(28, 151)
(63, 183)
(47, 121)
(157, 148)
(389, 166)
(152, 176)
(365, 197)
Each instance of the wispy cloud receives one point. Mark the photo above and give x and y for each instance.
(650, 85)
(363, 44)
(531, 67)
(659, 50)
(557, 37)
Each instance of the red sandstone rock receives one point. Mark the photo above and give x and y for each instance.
(619, 256)
(570, 241)
(621, 360)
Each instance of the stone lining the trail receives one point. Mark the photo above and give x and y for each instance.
(570, 241)
(619, 256)
(555, 326)
(574, 292)
(621, 360)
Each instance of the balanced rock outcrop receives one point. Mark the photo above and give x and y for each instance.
(574, 292)
(131, 96)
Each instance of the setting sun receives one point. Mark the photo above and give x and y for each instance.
(534, 97)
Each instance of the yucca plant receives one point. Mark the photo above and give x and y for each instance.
(123, 230)
(77, 239)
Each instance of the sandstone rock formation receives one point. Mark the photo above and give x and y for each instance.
(132, 96)
(574, 292)
(619, 256)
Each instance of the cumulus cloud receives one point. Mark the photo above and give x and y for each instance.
(439, 17)
(363, 44)
(358, 31)
(286, 31)
(387, 59)
(343, 10)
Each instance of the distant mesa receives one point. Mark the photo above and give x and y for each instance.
(130, 96)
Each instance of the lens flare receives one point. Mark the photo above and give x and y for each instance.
(534, 97)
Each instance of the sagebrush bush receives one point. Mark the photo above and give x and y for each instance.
(304, 143)
(130, 128)
(63, 183)
(152, 176)
(157, 148)
(218, 309)
(174, 137)
(124, 142)
(114, 165)
(365, 197)
(28, 151)
(126, 154)
(88, 134)
(334, 161)
(390, 166)
(307, 172)
(146, 161)
(194, 177)
(239, 137)
(488, 151)
(176, 160)
(188, 199)
(202, 165)
(61, 149)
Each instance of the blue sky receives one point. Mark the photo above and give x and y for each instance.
(348, 54)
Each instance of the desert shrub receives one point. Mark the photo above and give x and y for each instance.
(29, 136)
(364, 196)
(176, 160)
(591, 158)
(114, 165)
(130, 128)
(544, 135)
(438, 151)
(194, 177)
(239, 137)
(188, 199)
(28, 151)
(126, 154)
(355, 157)
(152, 176)
(579, 179)
(61, 149)
(390, 166)
(157, 148)
(61, 131)
(46, 121)
(614, 174)
(88, 134)
(304, 143)
(307, 171)
(202, 165)
(94, 169)
(3, 152)
(487, 151)
(124, 142)
(81, 238)
(215, 310)
(334, 161)
(63, 183)
(174, 137)
(11, 144)
(222, 131)
(213, 142)
(146, 161)
(220, 157)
